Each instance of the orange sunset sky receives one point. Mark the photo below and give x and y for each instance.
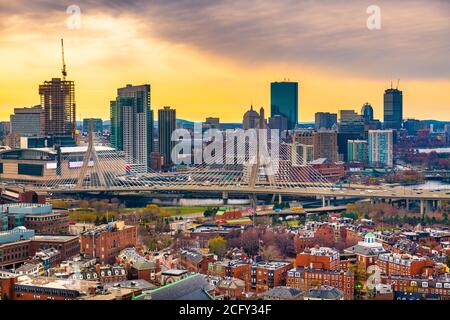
(216, 57)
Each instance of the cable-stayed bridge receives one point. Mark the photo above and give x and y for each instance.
(257, 171)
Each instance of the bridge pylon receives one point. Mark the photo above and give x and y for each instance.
(91, 154)
(262, 156)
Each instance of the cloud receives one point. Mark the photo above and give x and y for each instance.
(414, 40)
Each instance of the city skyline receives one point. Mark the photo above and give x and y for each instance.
(205, 72)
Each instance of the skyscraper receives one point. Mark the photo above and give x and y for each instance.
(351, 127)
(27, 122)
(348, 116)
(393, 109)
(58, 103)
(166, 125)
(284, 101)
(278, 123)
(381, 148)
(132, 124)
(367, 112)
(325, 120)
(251, 119)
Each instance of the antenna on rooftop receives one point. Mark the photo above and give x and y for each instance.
(398, 83)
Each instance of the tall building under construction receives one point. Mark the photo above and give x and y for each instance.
(58, 103)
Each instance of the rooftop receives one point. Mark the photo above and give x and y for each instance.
(271, 265)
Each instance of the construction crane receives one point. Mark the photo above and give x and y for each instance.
(64, 72)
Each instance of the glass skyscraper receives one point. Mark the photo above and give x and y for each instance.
(393, 109)
(284, 101)
(132, 124)
(166, 125)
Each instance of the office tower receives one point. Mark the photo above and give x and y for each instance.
(28, 122)
(412, 126)
(325, 145)
(349, 116)
(367, 112)
(325, 120)
(278, 123)
(358, 151)
(97, 125)
(381, 148)
(116, 117)
(166, 125)
(251, 119)
(211, 123)
(350, 127)
(393, 109)
(58, 103)
(132, 124)
(284, 101)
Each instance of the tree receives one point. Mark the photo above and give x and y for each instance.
(218, 246)
(270, 252)
(60, 204)
(250, 241)
(359, 271)
(285, 244)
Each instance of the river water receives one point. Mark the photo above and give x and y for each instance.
(431, 185)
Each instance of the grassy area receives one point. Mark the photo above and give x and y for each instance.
(175, 211)
(293, 223)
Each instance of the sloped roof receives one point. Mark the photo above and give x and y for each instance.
(325, 293)
(282, 292)
(194, 287)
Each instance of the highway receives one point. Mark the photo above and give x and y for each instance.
(363, 192)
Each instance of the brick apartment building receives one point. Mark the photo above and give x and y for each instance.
(105, 242)
(404, 264)
(427, 287)
(303, 241)
(306, 278)
(266, 275)
(17, 251)
(238, 269)
(195, 261)
(319, 258)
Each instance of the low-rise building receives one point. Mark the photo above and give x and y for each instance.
(106, 241)
(319, 258)
(423, 288)
(195, 261)
(307, 278)
(324, 293)
(266, 275)
(366, 251)
(38, 217)
(283, 293)
(404, 264)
